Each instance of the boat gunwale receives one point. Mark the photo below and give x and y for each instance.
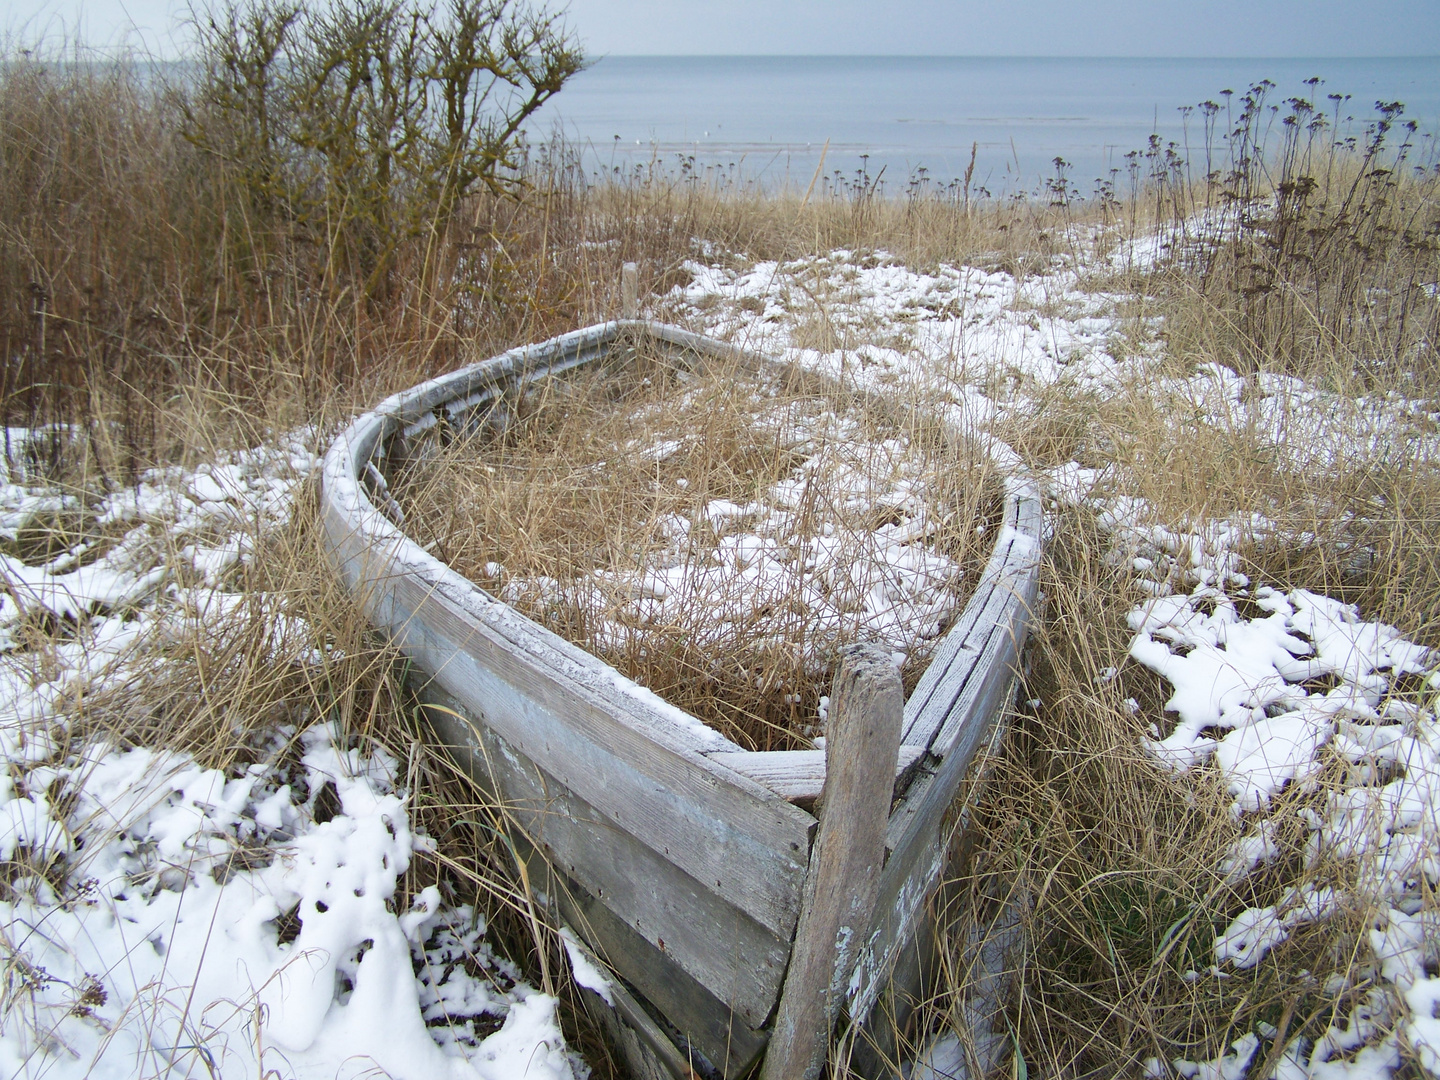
(757, 817)
(972, 666)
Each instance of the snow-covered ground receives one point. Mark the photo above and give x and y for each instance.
(1273, 688)
(161, 918)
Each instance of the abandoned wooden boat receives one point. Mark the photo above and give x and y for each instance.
(677, 856)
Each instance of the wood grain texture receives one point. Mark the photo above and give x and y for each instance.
(710, 1025)
(1011, 574)
(636, 766)
(862, 738)
(958, 715)
(629, 289)
(703, 1024)
(916, 845)
(634, 1036)
(735, 837)
(740, 962)
(798, 775)
(674, 802)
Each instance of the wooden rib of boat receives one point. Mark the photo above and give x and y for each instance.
(679, 857)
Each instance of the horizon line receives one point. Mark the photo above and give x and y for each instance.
(995, 56)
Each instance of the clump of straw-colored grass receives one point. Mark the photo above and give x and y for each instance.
(615, 508)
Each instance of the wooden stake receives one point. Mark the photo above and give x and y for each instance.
(629, 291)
(861, 742)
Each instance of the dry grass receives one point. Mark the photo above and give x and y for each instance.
(615, 508)
(236, 685)
(1332, 485)
(1115, 862)
(145, 332)
(134, 277)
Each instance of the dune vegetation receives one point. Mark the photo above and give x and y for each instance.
(1226, 383)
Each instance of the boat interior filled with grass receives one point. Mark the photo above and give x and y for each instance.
(717, 532)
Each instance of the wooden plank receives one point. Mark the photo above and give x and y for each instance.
(645, 1049)
(977, 618)
(888, 1031)
(862, 738)
(967, 718)
(949, 661)
(715, 831)
(703, 1023)
(980, 651)
(971, 718)
(951, 712)
(1010, 576)
(729, 952)
(947, 672)
(536, 648)
(957, 701)
(1030, 515)
(798, 775)
(975, 705)
(525, 363)
(624, 700)
(737, 838)
(961, 710)
(612, 892)
(629, 287)
(917, 850)
(986, 696)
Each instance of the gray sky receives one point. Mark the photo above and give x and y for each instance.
(1219, 28)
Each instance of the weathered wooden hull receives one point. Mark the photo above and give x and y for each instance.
(677, 855)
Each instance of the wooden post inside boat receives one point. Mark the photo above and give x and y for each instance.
(629, 291)
(862, 738)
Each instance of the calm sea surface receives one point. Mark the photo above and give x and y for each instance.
(768, 118)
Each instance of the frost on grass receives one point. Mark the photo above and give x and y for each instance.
(164, 918)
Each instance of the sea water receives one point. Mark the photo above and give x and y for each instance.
(772, 119)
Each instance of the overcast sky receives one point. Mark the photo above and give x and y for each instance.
(1219, 28)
